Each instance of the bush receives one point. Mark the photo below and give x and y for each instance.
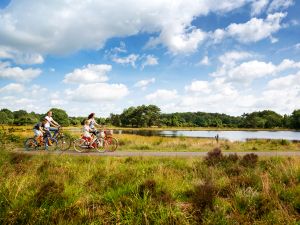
(249, 160)
(203, 197)
(213, 157)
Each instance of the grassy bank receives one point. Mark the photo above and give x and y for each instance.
(47, 189)
(155, 143)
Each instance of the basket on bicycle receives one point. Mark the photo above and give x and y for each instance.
(108, 132)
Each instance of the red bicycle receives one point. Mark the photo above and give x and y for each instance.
(103, 141)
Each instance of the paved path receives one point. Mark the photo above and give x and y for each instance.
(159, 154)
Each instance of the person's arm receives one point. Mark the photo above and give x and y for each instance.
(54, 123)
(41, 129)
(98, 125)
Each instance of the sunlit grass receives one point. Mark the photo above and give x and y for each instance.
(47, 189)
(130, 142)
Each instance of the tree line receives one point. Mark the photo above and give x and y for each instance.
(151, 115)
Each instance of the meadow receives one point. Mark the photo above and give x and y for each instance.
(217, 189)
(51, 189)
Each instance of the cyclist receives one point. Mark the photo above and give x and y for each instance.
(87, 133)
(51, 121)
(93, 123)
(38, 131)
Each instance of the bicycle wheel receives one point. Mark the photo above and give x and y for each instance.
(80, 145)
(30, 144)
(111, 144)
(64, 143)
(100, 145)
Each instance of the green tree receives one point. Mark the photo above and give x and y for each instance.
(9, 113)
(3, 118)
(295, 119)
(20, 113)
(60, 116)
(26, 120)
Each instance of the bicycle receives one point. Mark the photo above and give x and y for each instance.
(33, 144)
(104, 142)
(63, 141)
(83, 144)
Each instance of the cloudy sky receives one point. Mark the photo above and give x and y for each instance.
(226, 56)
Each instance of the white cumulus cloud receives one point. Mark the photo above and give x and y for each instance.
(258, 6)
(144, 83)
(277, 5)
(76, 25)
(253, 30)
(17, 73)
(89, 74)
(12, 88)
(162, 95)
(130, 59)
(97, 92)
(150, 60)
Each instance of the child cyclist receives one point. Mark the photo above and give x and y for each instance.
(87, 133)
(40, 130)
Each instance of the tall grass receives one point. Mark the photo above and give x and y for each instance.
(50, 189)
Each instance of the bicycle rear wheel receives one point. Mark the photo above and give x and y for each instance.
(111, 144)
(30, 144)
(80, 145)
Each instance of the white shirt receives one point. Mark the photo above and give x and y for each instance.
(86, 130)
(49, 119)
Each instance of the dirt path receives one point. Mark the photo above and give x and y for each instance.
(158, 154)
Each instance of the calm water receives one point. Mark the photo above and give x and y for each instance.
(229, 135)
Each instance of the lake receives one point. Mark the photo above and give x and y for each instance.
(227, 135)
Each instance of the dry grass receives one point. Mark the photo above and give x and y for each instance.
(86, 190)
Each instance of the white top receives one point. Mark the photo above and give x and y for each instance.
(49, 119)
(86, 130)
(92, 123)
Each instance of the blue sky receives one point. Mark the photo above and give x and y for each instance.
(181, 55)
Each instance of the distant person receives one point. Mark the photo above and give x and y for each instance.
(217, 138)
(51, 121)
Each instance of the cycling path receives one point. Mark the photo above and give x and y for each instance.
(157, 153)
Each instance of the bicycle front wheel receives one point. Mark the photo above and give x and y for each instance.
(64, 143)
(100, 147)
(111, 144)
(80, 145)
(30, 144)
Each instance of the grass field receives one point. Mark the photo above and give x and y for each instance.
(50, 189)
(66, 189)
(154, 143)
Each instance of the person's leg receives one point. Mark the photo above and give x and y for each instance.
(54, 129)
(90, 142)
(48, 137)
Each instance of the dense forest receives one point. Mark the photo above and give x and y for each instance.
(151, 115)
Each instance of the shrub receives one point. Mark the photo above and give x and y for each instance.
(16, 158)
(249, 160)
(49, 193)
(213, 157)
(203, 197)
(149, 187)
